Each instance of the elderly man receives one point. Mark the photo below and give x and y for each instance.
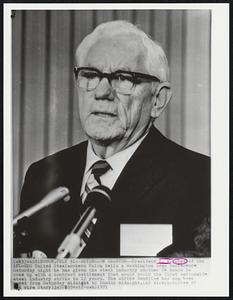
(122, 83)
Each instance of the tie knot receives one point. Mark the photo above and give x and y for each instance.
(99, 168)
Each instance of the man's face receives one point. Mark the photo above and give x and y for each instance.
(108, 117)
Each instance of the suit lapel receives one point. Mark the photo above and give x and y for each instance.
(73, 175)
(145, 169)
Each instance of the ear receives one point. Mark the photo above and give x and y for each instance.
(161, 98)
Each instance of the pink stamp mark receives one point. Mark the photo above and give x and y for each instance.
(173, 261)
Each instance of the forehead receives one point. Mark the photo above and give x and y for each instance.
(117, 52)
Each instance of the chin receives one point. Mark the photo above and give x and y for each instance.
(104, 134)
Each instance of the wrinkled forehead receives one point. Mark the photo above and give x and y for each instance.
(117, 51)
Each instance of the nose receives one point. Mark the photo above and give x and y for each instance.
(104, 90)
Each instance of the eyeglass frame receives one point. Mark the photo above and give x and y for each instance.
(110, 76)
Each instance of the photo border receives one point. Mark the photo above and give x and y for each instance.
(219, 282)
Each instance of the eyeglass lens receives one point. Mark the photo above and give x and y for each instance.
(89, 80)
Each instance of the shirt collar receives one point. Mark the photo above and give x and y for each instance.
(115, 161)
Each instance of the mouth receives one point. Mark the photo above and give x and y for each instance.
(104, 114)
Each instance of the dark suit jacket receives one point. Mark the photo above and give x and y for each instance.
(162, 183)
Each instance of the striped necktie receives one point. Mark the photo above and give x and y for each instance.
(99, 168)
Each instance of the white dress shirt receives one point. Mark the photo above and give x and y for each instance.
(117, 162)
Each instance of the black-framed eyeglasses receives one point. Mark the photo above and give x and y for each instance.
(122, 81)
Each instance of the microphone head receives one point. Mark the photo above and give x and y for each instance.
(99, 198)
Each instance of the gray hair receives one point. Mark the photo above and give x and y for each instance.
(156, 61)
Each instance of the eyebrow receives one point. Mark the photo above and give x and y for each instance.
(120, 68)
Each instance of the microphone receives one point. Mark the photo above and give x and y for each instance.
(95, 204)
(52, 197)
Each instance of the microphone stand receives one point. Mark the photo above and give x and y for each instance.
(96, 202)
(73, 244)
